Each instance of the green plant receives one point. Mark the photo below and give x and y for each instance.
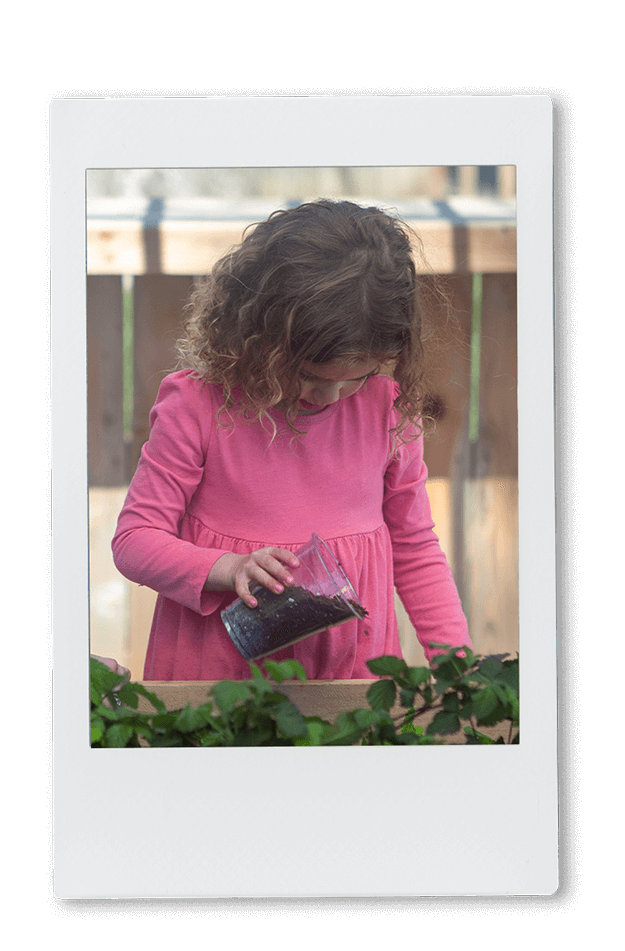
(457, 689)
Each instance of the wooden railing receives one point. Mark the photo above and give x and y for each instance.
(321, 698)
(462, 234)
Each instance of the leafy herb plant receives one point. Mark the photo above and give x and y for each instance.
(461, 691)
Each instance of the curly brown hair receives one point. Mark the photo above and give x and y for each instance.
(322, 281)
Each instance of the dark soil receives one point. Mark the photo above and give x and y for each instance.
(280, 619)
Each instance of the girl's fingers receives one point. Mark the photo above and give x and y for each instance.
(267, 577)
(277, 570)
(269, 567)
(253, 575)
(284, 556)
(246, 597)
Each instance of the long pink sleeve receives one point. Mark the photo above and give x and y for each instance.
(147, 547)
(423, 578)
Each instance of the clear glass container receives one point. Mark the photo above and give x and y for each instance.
(320, 597)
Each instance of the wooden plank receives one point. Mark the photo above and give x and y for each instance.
(191, 247)
(492, 249)
(448, 356)
(120, 611)
(498, 382)
(109, 602)
(323, 698)
(115, 247)
(142, 603)
(104, 381)
(491, 581)
(495, 453)
(485, 480)
(159, 301)
(507, 181)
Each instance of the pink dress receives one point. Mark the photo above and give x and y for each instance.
(201, 490)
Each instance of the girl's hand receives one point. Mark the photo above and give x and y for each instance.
(112, 664)
(267, 566)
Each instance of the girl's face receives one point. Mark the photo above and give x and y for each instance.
(325, 383)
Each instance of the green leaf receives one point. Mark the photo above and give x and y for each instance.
(293, 669)
(449, 669)
(408, 739)
(386, 731)
(168, 740)
(128, 696)
(102, 677)
(510, 675)
(110, 713)
(366, 718)
(344, 738)
(211, 739)
(285, 670)
(381, 695)
(451, 703)
(496, 716)
(418, 675)
(444, 723)
(485, 702)
(164, 721)
(437, 658)
(260, 687)
(118, 735)
(96, 734)
(289, 720)
(411, 727)
(474, 737)
(513, 706)
(190, 719)
(273, 670)
(445, 675)
(406, 696)
(317, 730)
(426, 740)
(150, 697)
(491, 668)
(227, 693)
(388, 665)
(261, 736)
(347, 731)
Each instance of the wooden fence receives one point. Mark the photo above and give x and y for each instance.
(159, 247)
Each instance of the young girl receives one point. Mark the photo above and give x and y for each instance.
(297, 409)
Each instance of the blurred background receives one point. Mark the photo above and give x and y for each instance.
(152, 232)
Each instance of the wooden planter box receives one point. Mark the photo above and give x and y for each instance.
(322, 698)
